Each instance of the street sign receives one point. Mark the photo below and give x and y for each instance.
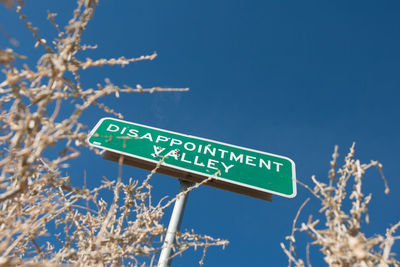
(242, 170)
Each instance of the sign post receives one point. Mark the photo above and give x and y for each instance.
(174, 225)
(192, 160)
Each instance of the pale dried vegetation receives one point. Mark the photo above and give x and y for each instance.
(44, 218)
(341, 239)
(46, 221)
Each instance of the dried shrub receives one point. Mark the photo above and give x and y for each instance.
(36, 194)
(341, 239)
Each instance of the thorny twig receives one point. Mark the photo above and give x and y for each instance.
(341, 240)
(35, 188)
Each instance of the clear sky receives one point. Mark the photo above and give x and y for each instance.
(292, 78)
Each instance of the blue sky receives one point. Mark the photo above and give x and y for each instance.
(292, 78)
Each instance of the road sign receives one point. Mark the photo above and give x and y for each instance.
(242, 170)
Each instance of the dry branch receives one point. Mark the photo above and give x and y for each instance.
(341, 239)
(35, 189)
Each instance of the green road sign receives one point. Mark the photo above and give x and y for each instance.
(233, 168)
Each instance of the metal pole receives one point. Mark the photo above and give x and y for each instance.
(174, 225)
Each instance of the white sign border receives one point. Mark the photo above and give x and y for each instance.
(196, 172)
